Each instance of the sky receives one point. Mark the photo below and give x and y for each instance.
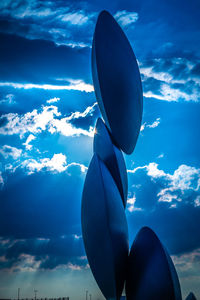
(48, 113)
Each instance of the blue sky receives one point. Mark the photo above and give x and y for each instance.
(48, 113)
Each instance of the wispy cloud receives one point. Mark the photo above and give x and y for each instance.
(126, 18)
(8, 100)
(7, 151)
(131, 204)
(1, 179)
(187, 261)
(77, 85)
(170, 94)
(183, 182)
(53, 100)
(153, 125)
(47, 118)
(29, 139)
(75, 18)
(49, 20)
(170, 80)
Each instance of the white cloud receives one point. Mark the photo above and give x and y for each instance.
(47, 118)
(131, 204)
(168, 91)
(29, 139)
(78, 114)
(64, 126)
(184, 179)
(163, 76)
(126, 18)
(152, 170)
(76, 85)
(8, 99)
(197, 201)
(154, 124)
(58, 164)
(170, 94)
(33, 122)
(82, 167)
(8, 151)
(1, 179)
(53, 100)
(75, 18)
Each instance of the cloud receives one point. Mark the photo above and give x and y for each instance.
(76, 85)
(126, 18)
(26, 9)
(29, 139)
(75, 18)
(181, 185)
(170, 80)
(185, 262)
(58, 22)
(1, 179)
(33, 122)
(47, 118)
(71, 166)
(7, 151)
(58, 163)
(153, 125)
(170, 94)
(8, 99)
(53, 100)
(30, 255)
(131, 204)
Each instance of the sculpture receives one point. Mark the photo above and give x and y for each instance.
(148, 270)
(112, 157)
(151, 273)
(191, 296)
(117, 82)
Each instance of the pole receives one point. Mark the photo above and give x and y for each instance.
(18, 293)
(35, 291)
(90, 297)
(86, 295)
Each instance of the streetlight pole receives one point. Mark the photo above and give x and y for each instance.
(35, 291)
(18, 293)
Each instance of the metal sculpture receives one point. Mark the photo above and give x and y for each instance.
(191, 296)
(112, 157)
(117, 82)
(104, 228)
(151, 273)
(148, 270)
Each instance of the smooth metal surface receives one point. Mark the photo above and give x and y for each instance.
(117, 82)
(191, 296)
(112, 157)
(151, 274)
(104, 229)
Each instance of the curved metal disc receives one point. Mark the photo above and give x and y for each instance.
(104, 229)
(191, 296)
(151, 273)
(117, 82)
(112, 157)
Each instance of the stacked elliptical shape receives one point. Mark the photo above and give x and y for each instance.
(146, 271)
